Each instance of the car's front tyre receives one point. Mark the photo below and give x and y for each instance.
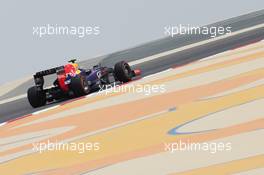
(123, 71)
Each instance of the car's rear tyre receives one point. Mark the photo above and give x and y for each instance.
(36, 97)
(123, 71)
(79, 86)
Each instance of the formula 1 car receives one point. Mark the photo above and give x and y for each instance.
(72, 81)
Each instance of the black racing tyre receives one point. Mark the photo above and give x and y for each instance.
(79, 86)
(36, 97)
(123, 71)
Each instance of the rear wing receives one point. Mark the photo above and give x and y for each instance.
(48, 72)
(38, 77)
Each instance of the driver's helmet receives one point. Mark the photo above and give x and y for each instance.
(72, 67)
(75, 65)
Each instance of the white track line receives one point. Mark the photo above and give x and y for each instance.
(44, 110)
(2, 124)
(151, 75)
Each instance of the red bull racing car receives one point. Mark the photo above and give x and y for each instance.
(72, 81)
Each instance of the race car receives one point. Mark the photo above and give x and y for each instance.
(72, 81)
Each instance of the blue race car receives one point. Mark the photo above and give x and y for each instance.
(73, 81)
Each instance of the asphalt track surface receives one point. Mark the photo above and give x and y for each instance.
(21, 106)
